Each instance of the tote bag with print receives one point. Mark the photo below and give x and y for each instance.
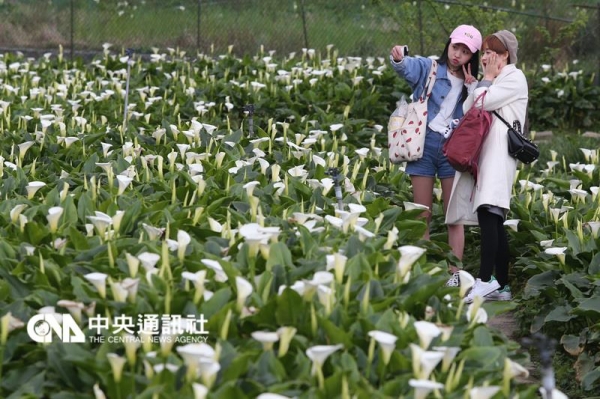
(406, 143)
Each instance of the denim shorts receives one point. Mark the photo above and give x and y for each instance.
(433, 162)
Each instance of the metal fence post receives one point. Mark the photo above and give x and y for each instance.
(198, 27)
(72, 28)
(304, 23)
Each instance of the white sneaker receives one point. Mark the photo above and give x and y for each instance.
(500, 295)
(481, 289)
(453, 281)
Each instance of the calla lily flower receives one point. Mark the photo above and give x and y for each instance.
(198, 279)
(208, 371)
(193, 354)
(337, 262)
(8, 323)
(483, 392)
(101, 222)
(450, 353)
(118, 291)
(154, 233)
(559, 252)
(467, 281)
(74, 308)
(426, 331)
(200, 391)
(424, 387)
(595, 227)
(476, 314)
(546, 243)
(269, 395)
(512, 223)
(594, 191)
(515, 369)
(16, 211)
(285, 338)
(387, 343)
(266, 338)
(99, 281)
(124, 182)
(215, 266)
(116, 364)
(244, 289)
(33, 187)
(319, 354)
(23, 147)
(53, 218)
(98, 393)
(183, 240)
(428, 362)
(409, 206)
(148, 260)
(409, 254)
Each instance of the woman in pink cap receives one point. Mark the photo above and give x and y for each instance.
(455, 79)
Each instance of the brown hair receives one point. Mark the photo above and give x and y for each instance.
(493, 43)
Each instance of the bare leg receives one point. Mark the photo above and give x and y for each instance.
(423, 194)
(456, 232)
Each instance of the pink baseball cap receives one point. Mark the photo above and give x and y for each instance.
(467, 35)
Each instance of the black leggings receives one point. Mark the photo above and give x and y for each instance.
(494, 247)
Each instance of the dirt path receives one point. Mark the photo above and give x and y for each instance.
(507, 323)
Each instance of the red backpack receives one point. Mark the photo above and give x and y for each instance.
(464, 145)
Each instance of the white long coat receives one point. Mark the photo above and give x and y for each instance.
(508, 95)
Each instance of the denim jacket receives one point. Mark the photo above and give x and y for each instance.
(415, 71)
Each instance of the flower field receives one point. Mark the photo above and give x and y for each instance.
(186, 244)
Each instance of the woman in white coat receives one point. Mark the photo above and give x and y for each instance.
(487, 201)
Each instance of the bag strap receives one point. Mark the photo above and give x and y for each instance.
(502, 119)
(430, 81)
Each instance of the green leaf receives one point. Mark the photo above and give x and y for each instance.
(560, 314)
(590, 305)
(574, 243)
(290, 308)
(279, 254)
(335, 334)
(216, 302)
(481, 357)
(588, 381)
(571, 344)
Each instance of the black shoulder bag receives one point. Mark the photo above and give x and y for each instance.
(519, 146)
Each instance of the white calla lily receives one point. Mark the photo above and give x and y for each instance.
(116, 364)
(244, 290)
(467, 281)
(53, 218)
(183, 240)
(483, 392)
(559, 252)
(266, 338)
(33, 188)
(98, 280)
(148, 260)
(409, 254)
(285, 338)
(16, 211)
(101, 222)
(424, 387)
(387, 343)
(428, 362)
(426, 331)
(318, 355)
